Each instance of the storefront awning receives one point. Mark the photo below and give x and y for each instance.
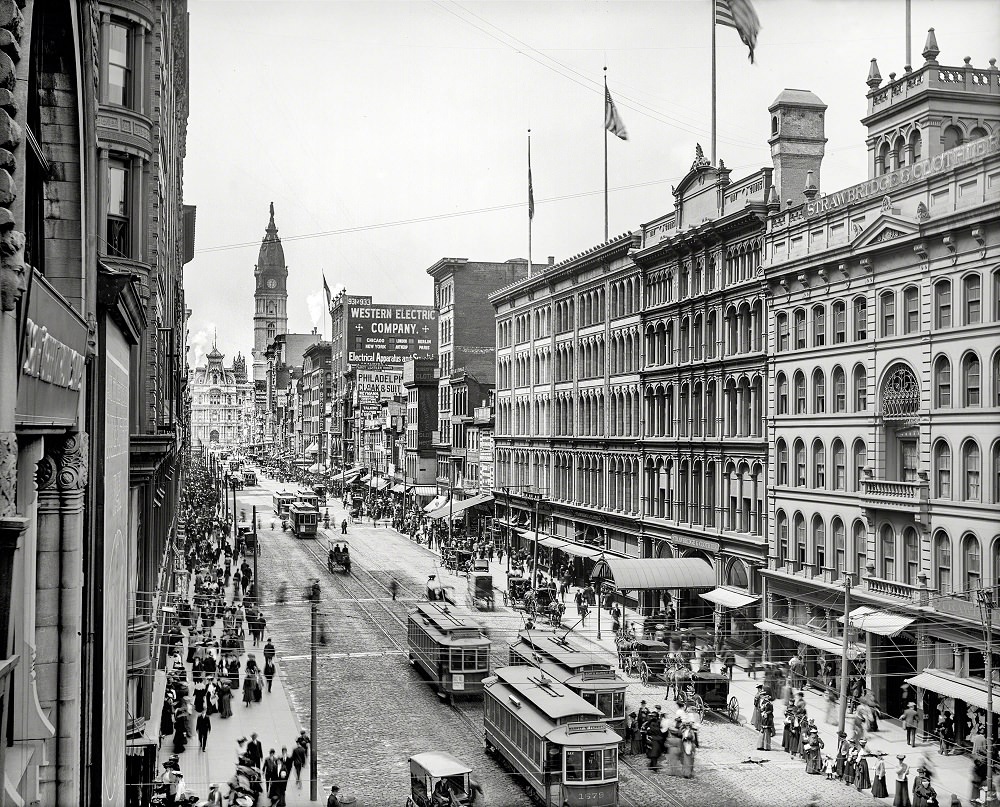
(423, 490)
(343, 477)
(579, 550)
(379, 483)
(874, 620)
(366, 478)
(729, 597)
(435, 503)
(970, 690)
(314, 469)
(825, 643)
(643, 574)
(400, 488)
(549, 541)
(461, 506)
(313, 448)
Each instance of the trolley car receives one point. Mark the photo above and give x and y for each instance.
(450, 650)
(572, 665)
(282, 501)
(552, 737)
(308, 497)
(481, 591)
(304, 519)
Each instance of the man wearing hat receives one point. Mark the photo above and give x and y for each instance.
(766, 723)
(910, 718)
(332, 800)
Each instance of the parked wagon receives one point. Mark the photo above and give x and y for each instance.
(437, 779)
(645, 659)
(517, 587)
(705, 691)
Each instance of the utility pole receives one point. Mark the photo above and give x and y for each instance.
(842, 719)
(537, 496)
(985, 600)
(313, 675)
(256, 552)
(507, 491)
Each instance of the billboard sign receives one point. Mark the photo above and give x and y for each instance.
(374, 386)
(389, 335)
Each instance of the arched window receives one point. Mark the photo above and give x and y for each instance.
(819, 391)
(942, 561)
(971, 472)
(887, 552)
(977, 133)
(942, 304)
(839, 312)
(800, 329)
(839, 390)
(781, 386)
(972, 299)
(860, 454)
(887, 313)
(819, 326)
(839, 548)
(942, 470)
(799, 450)
(860, 540)
(860, 319)
(952, 137)
(800, 539)
(915, 146)
(942, 383)
(911, 555)
(899, 153)
(860, 383)
(911, 310)
(782, 454)
(819, 464)
(884, 160)
(900, 394)
(972, 562)
(971, 379)
(996, 481)
(819, 543)
(996, 377)
(781, 523)
(781, 327)
(799, 382)
(839, 465)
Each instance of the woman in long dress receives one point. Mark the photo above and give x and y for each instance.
(879, 790)
(862, 777)
(850, 767)
(249, 682)
(814, 760)
(786, 732)
(225, 696)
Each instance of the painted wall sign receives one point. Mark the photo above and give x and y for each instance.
(53, 359)
(880, 186)
(696, 543)
(389, 335)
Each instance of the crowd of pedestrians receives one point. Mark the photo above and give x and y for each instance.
(655, 734)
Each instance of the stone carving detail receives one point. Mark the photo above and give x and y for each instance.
(923, 214)
(45, 473)
(12, 268)
(700, 160)
(8, 474)
(73, 472)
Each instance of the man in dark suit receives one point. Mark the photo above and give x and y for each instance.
(272, 767)
(766, 723)
(255, 750)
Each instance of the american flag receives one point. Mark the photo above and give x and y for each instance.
(612, 120)
(531, 191)
(739, 14)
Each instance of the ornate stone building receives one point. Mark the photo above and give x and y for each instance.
(222, 404)
(93, 116)
(270, 319)
(884, 408)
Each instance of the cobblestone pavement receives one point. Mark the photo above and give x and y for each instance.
(375, 710)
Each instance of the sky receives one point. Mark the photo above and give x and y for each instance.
(392, 134)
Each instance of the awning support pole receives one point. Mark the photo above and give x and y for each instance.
(842, 719)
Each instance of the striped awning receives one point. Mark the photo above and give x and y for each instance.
(579, 550)
(423, 490)
(970, 690)
(828, 644)
(875, 620)
(549, 541)
(378, 483)
(729, 597)
(399, 488)
(644, 574)
(460, 506)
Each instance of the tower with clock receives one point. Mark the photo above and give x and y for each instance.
(270, 296)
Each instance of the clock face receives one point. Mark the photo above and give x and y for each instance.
(271, 283)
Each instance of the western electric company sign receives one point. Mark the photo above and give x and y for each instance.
(880, 186)
(388, 335)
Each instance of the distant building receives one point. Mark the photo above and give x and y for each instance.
(270, 319)
(420, 384)
(316, 401)
(284, 359)
(222, 404)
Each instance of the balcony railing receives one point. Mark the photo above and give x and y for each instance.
(139, 644)
(891, 494)
(908, 492)
(896, 590)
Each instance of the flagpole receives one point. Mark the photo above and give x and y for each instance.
(908, 63)
(605, 153)
(713, 80)
(530, 203)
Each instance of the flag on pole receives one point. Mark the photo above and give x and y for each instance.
(326, 289)
(612, 120)
(739, 14)
(531, 191)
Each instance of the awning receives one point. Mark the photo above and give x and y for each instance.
(580, 550)
(400, 488)
(313, 448)
(729, 597)
(342, 477)
(366, 478)
(423, 490)
(436, 503)
(970, 690)
(549, 541)
(825, 643)
(884, 623)
(461, 506)
(314, 469)
(642, 574)
(379, 483)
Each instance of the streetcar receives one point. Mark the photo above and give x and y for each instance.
(571, 664)
(282, 501)
(449, 649)
(552, 737)
(308, 497)
(304, 519)
(480, 591)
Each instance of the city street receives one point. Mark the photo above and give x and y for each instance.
(375, 710)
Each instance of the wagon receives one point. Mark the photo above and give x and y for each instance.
(705, 691)
(645, 659)
(437, 779)
(517, 587)
(338, 558)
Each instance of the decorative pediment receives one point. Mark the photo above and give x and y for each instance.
(886, 227)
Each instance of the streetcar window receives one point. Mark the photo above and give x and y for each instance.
(619, 704)
(604, 704)
(592, 766)
(574, 766)
(610, 763)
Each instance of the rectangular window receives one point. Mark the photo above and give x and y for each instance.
(119, 65)
(912, 313)
(119, 210)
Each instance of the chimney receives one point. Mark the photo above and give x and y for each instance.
(798, 142)
(552, 260)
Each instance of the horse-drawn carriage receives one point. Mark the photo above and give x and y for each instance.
(705, 691)
(437, 779)
(517, 587)
(645, 659)
(439, 591)
(338, 559)
(456, 560)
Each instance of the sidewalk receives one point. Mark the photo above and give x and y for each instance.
(952, 774)
(273, 719)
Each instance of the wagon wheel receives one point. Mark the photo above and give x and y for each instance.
(733, 710)
(698, 704)
(644, 672)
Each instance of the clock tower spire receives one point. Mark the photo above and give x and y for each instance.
(270, 316)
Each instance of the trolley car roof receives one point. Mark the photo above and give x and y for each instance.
(452, 628)
(563, 650)
(611, 683)
(552, 699)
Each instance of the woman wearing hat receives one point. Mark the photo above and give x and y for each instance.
(814, 757)
(755, 717)
(924, 794)
(862, 776)
(902, 798)
(879, 790)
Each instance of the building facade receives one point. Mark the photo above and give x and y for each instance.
(222, 404)
(885, 402)
(420, 385)
(283, 411)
